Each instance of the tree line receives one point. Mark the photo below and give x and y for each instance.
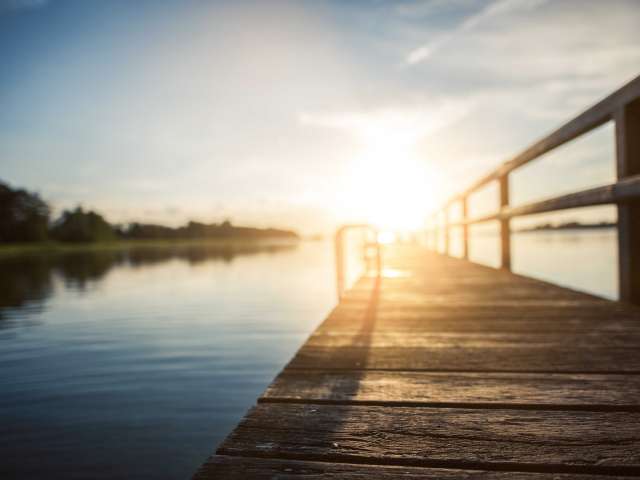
(25, 217)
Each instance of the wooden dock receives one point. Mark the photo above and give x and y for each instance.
(441, 368)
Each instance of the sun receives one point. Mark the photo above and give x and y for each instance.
(389, 185)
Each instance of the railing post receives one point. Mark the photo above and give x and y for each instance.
(465, 229)
(339, 262)
(505, 234)
(627, 123)
(445, 211)
(436, 233)
(433, 242)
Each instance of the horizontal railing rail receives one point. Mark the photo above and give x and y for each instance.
(623, 108)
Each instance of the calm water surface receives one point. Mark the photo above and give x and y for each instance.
(585, 260)
(136, 364)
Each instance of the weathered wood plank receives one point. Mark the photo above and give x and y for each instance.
(484, 308)
(479, 311)
(390, 338)
(243, 468)
(543, 391)
(571, 442)
(470, 359)
(493, 323)
(487, 302)
(462, 292)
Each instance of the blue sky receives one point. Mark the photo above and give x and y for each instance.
(302, 114)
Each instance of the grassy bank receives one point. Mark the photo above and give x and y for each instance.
(64, 247)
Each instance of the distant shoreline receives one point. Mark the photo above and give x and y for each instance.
(568, 226)
(69, 247)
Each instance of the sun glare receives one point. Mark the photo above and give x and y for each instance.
(386, 237)
(389, 185)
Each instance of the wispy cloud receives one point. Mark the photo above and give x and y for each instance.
(213, 130)
(406, 124)
(495, 9)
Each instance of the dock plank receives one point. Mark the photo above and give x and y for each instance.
(562, 441)
(418, 338)
(471, 359)
(495, 324)
(481, 390)
(243, 468)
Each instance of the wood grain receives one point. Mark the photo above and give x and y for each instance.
(571, 442)
(415, 324)
(568, 359)
(390, 338)
(482, 390)
(243, 468)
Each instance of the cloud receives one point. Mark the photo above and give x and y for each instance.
(495, 9)
(209, 107)
(406, 124)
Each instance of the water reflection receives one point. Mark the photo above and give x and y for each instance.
(28, 280)
(135, 363)
(582, 259)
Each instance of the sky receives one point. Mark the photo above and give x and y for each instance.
(302, 114)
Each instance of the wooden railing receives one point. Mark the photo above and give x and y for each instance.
(623, 108)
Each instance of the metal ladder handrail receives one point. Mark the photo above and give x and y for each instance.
(339, 253)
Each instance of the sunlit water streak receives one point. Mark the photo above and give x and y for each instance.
(117, 366)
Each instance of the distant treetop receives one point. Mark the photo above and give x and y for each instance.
(24, 217)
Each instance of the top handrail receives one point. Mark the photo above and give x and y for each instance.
(593, 117)
(623, 108)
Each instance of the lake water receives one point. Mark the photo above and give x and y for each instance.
(136, 364)
(585, 260)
